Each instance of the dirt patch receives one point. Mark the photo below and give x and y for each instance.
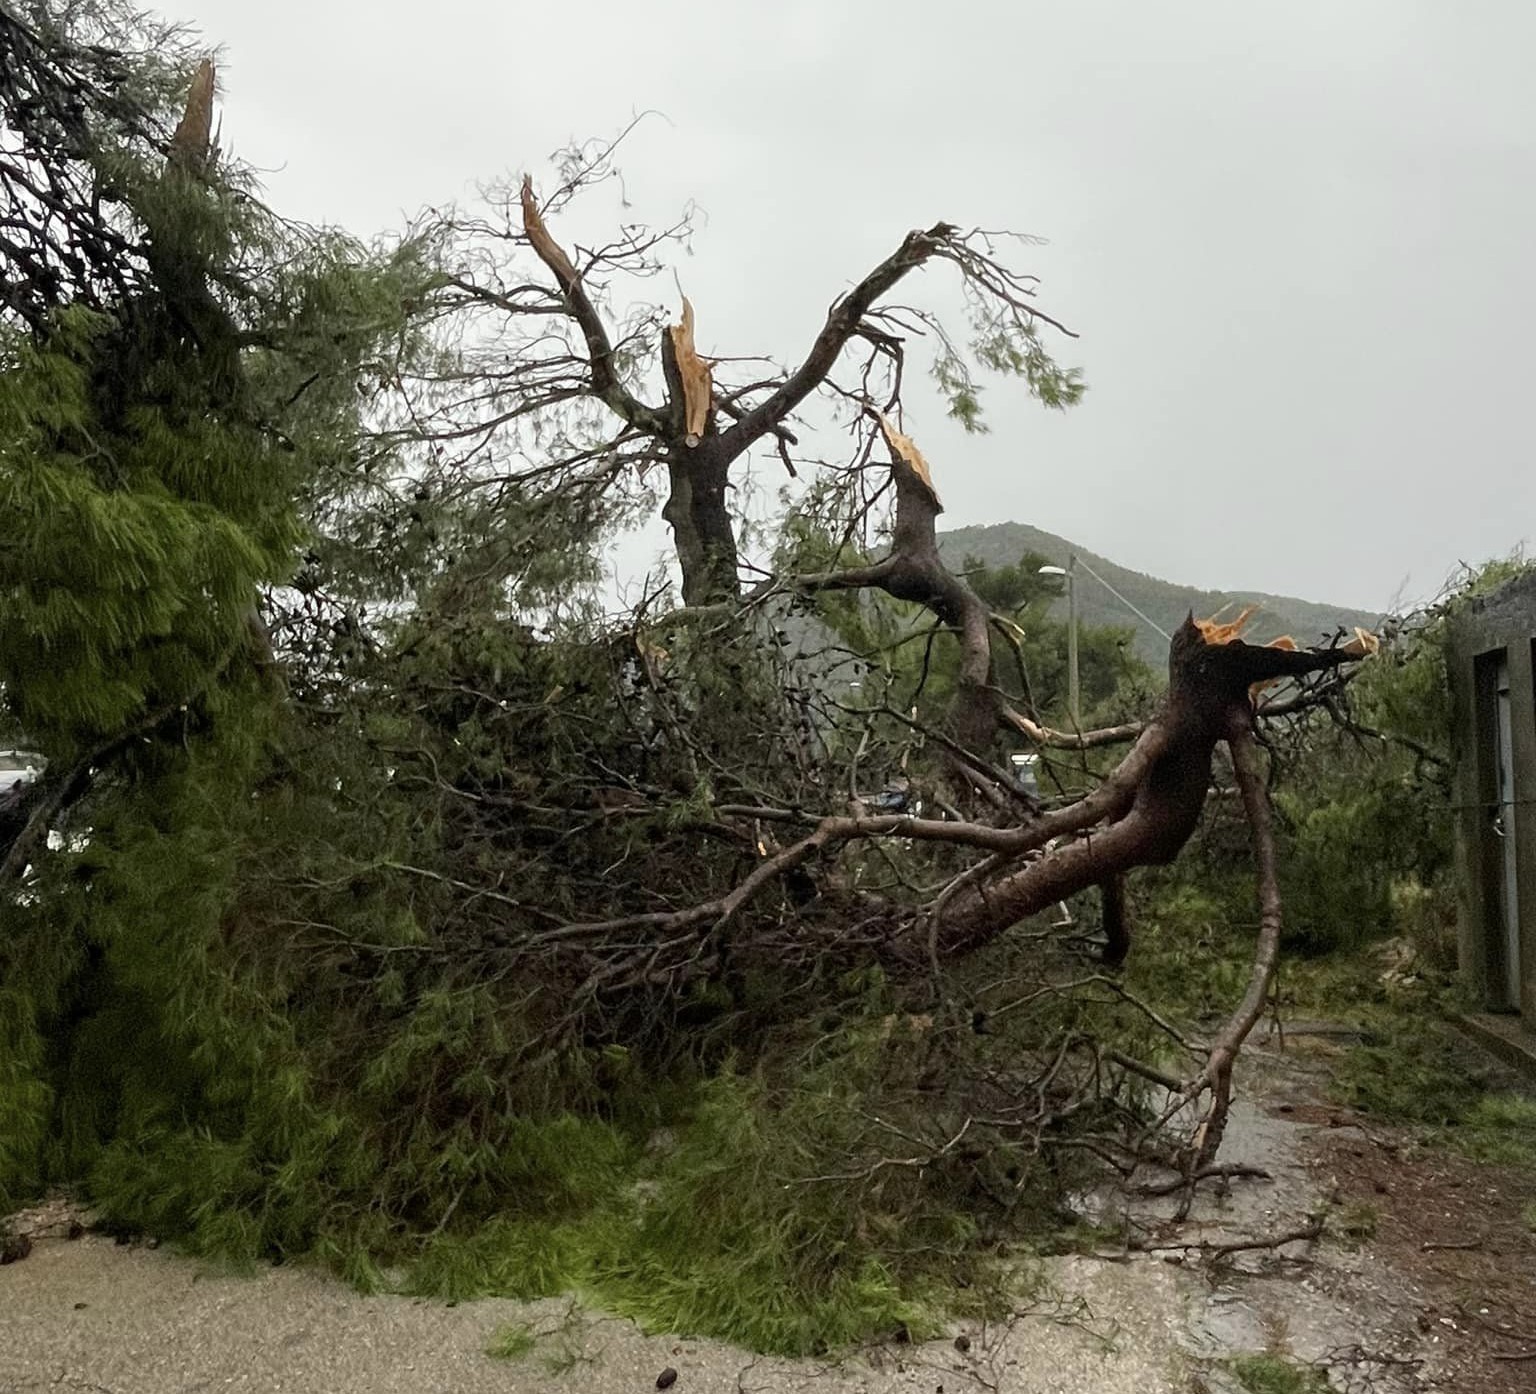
(1455, 1231)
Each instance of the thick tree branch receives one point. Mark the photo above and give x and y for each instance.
(842, 323)
(915, 571)
(1151, 804)
(1142, 814)
(1208, 700)
(604, 378)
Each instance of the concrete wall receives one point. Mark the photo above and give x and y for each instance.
(1503, 621)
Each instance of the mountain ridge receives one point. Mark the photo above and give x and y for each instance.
(1166, 603)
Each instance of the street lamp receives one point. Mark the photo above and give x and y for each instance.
(1073, 692)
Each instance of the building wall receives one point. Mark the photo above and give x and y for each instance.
(1504, 620)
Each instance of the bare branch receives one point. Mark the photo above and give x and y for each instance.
(843, 321)
(1072, 740)
(53, 795)
(1217, 1074)
(604, 378)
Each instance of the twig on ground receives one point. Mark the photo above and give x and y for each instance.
(1312, 1230)
(1226, 1172)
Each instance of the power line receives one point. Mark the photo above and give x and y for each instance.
(1128, 605)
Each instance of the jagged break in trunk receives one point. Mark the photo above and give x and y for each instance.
(1156, 809)
(1148, 807)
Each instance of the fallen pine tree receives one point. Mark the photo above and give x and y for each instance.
(383, 901)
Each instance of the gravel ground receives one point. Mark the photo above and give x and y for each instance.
(91, 1315)
(1442, 1296)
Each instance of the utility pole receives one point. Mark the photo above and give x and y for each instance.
(1074, 692)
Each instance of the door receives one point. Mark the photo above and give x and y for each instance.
(1508, 942)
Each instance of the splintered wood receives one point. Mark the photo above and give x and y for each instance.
(1215, 631)
(693, 371)
(193, 137)
(550, 252)
(1362, 644)
(907, 452)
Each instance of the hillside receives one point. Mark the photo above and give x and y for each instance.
(1001, 544)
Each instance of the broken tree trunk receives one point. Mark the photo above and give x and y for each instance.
(1148, 807)
(685, 431)
(698, 469)
(702, 531)
(1209, 679)
(915, 571)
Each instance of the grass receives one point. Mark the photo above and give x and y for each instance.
(1273, 1374)
(1411, 1068)
(1356, 1222)
(1195, 966)
(1417, 1073)
(511, 1342)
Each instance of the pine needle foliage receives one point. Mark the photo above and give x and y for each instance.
(156, 451)
(358, 945)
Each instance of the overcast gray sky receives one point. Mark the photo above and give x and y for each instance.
(1298, 240)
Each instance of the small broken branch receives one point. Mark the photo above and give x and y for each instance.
(1307, 1233)
(1226, 1172)
(53, 796)
(1073, 740)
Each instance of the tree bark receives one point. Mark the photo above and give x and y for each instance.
(1151, 803)
(702, 527)
(702, 531)
(1229, 1040)
(1208, 699)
